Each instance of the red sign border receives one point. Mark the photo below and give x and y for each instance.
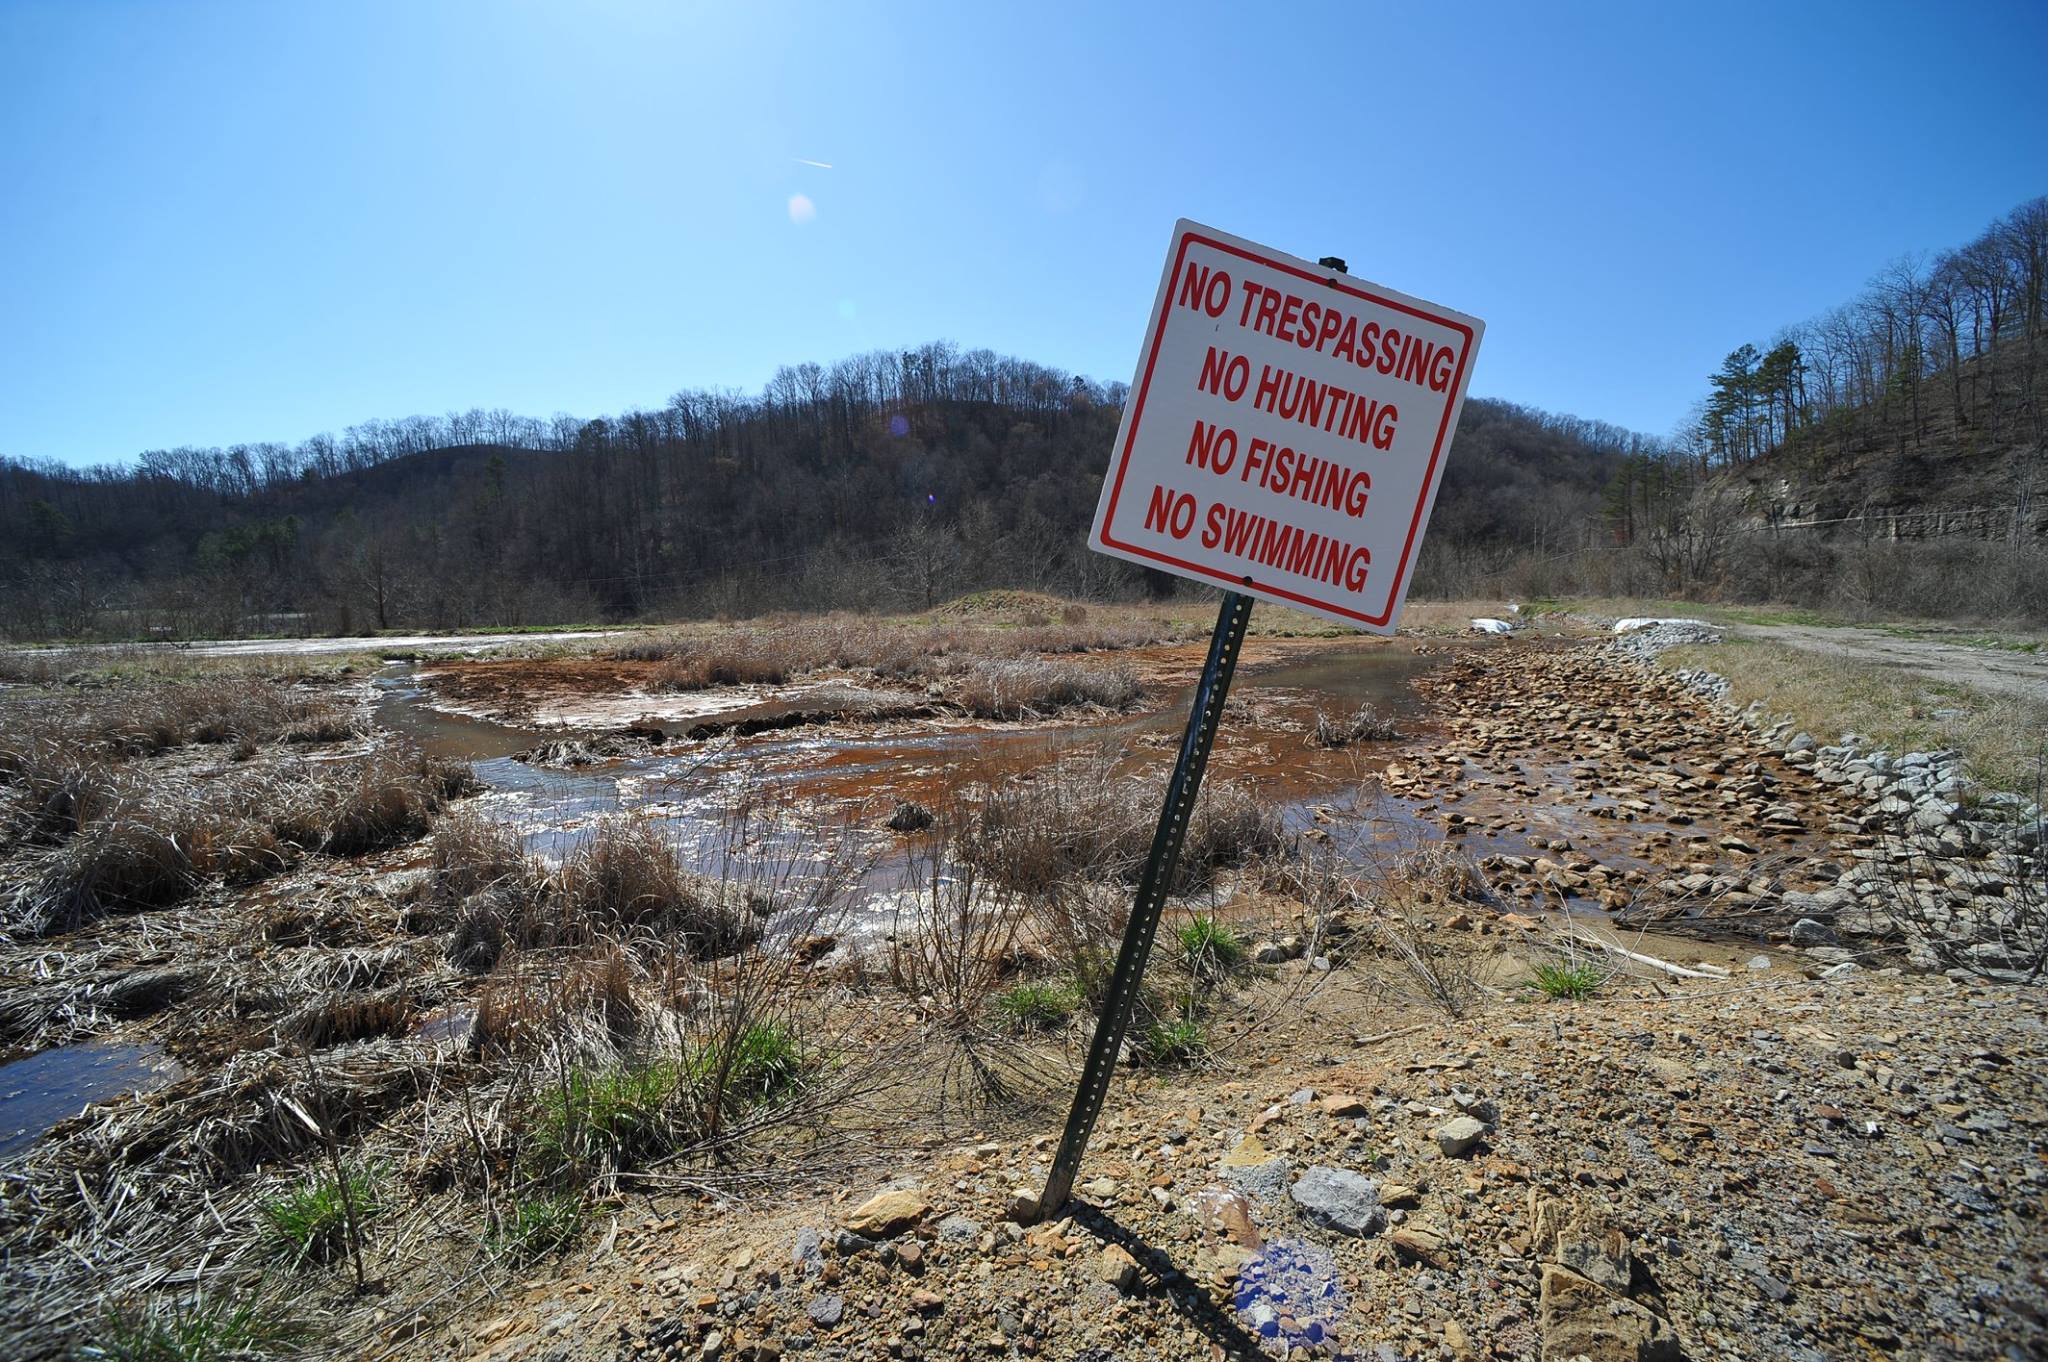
(1429, 474)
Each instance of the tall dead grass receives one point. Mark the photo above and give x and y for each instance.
(1077, 819)
(624, 881)
(775, 651)
(142, 720)
(150, 840)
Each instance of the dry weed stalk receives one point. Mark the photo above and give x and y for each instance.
(1076, 819)
(1364, 724)
(952, 940)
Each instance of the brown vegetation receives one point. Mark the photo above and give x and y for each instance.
(1075, 819)
(1364, 724)
(104, 820)
(1016, 691)
(774, 651)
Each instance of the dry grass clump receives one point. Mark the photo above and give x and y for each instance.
(128, 862)
(735, 664)
(539, 1001)
(473, 854)
(388, 798)
(1365, 724)
(623, 880)
(625, 874)
(776, 651)
(1068, 637)
(242, 710)
(485, 887)
(152, 843)
(56, 791)
(1036, 690)
(337, 1018)
(1077, 820)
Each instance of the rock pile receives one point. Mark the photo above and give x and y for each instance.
(1958, 873)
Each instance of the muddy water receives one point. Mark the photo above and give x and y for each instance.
(38, 1092)
(791, 805)
(799, 801)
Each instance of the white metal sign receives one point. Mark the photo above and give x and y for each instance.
(1286, 430)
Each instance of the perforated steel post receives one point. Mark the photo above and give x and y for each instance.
(1210, 692)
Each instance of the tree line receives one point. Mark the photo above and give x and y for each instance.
(894, 478)
(1941, 348)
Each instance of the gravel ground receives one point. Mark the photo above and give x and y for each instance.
(1774, 1167)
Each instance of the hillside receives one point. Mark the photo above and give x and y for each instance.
(1975, 468)
(888, 478)
(1917, 406)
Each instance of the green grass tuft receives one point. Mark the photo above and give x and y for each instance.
(621, 1117)
(766, 1065)
(202, 1330)
(309, 1223)
(611, 1118)
(539, 1226)
(1037, 1006)
(1208, 948)
(1555, 980)
(1175, 1042)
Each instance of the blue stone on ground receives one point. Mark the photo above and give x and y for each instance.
(958, 1229)
(1292, 1282)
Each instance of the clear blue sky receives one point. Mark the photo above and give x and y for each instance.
(227, 222)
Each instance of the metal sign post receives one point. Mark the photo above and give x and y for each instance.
(1210, 693)
(1181, 791)
(1357, 394)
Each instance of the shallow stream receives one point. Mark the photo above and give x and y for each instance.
(38, 1092)
(800, 800)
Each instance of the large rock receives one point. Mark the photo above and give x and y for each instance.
(1338, 1199)
(1457, 1135)
(958, 1229)
(1117, 1268)
(1808, 933)
(886, 1214)
(1599, 1254)
(1254, 1168)
(1584, 1320)
(1420, 1245)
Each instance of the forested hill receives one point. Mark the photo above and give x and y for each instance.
(889, 479)
(1921, 404)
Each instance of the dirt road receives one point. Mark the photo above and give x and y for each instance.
(1992, 669)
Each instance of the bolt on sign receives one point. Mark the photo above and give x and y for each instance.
(1286, 430)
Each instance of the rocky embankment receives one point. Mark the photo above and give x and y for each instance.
(1954, 874)
(1577, 777)
(1588, 777)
